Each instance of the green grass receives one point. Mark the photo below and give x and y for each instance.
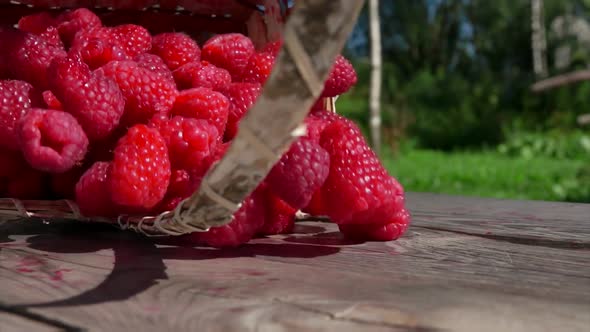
(484, 174)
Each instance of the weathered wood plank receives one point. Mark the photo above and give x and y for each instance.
(12, 323)
(89, 276)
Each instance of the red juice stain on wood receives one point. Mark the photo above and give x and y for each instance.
(24, 270)
(58, 275)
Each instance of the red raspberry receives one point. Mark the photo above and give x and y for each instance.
(36, 23)
(242, 96)
(155, 64)
(182, 185)
(140, 171)
(145, 92)
(201, 74)
(189, 141)
(134, 39)
(259, 68)
(203, 103)
(358, 189)
(93, 194)
(93, 99)
(51, 140)
(97, 52)
(27, 184)
(51, 101)
(29, 56)
(216, 155)
(230, 51)
(16, 99)
(273, 47)
(299, 173)
(280, 216)
(63, 185)
(386, 232)
(247, 221)
(71, 22)
(342, 77)
(176, 49)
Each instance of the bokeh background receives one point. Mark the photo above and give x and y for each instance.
(458, 113)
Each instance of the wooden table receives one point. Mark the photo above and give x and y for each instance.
(467, 264)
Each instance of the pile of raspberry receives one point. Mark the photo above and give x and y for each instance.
(126, 122)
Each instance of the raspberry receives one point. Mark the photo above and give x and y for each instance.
(16, 99)
(145, 92)
(93, 99)
(280, 217)
(97, 52)
(342, 77)
(176, 49)
(36, 23)
(93, 194)
(273, 47)
(71, 22)
(155, 64)
(51, 140)
(247, 221)
(259, 68)
(299, 173)
(241, 96)
(51, 101)
(134, 39)
(189, 141)
(140, 171)
(378, 232)
(29, 56)
(201, 74)
(230, 51)
(203, 103)
(358, 189)
(182, 185)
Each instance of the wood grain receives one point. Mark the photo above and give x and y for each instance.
(443, 275)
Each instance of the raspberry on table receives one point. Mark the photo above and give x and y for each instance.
(201, 74)
(98, 52)
(342, 77)
(51, 141)
(189, 141)
(145, 92)
(280, 216)
(134, 39)
(259, 68)
(299, 173)
(71, 22)
(92, 191)
(140, 170)
(95, 100)
(16, 99)
(230, 51)
(389, 231)
(176, 49)
(358, 189)
(242, 97)
(182, 185)
(155, 64)
(203, 103)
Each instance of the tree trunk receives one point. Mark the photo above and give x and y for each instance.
(539, 42)
(376, 76)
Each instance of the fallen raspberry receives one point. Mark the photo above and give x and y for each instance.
(299, 173)
(71, 22)
(189, 141)
(342, 77)
(134, 39)
(51, 101)
(203, 103)
(280, 216)
(95, 100)
(201, 74)
(259, 68)
(145, 92)
(155, 64)
(29, 56)
(230, 51)
(93, 194)
(16, 99)
(378, 232)
(140, 171)
(358, 189)
(176, 49)
(242, 96)
(51, 141)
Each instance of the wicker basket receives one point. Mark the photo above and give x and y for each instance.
(313, 35)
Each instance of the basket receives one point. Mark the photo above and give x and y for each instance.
(313, 35)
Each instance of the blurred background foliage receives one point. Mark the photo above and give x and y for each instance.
(458, 114)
